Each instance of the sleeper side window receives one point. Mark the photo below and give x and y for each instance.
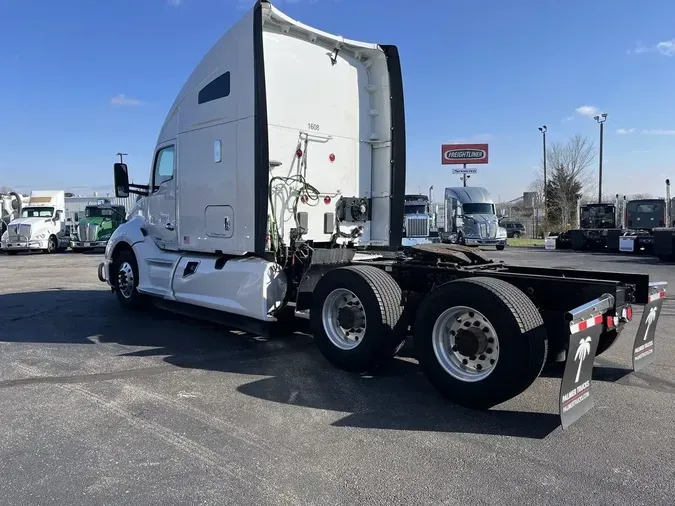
(164, 167)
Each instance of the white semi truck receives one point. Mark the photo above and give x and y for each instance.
(277, 188)
(40, 226)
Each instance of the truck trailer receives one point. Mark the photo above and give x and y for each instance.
(271, 199)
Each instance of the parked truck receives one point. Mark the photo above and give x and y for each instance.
(598, 227)
(240, 225)
(471, 218)
(418, 221)
(41, 225)
(95, 228)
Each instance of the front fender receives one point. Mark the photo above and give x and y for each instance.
(130, 232)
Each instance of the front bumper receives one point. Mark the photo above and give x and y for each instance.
(103, 272)
(24, 245)
(414, 241)
(473, 241)
(88, 244)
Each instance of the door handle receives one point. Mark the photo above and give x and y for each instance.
(169, 226)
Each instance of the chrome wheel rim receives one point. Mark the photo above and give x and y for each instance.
(465, 343)
(126, 280)
(344, 319)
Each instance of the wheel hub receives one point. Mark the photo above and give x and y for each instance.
(471, 342)
(465, 343)
(349, 317)
(344, 319)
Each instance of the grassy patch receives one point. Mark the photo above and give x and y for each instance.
(523, 242)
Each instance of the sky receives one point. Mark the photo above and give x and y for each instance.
(81, 80)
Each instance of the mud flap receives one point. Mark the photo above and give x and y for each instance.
(643, 347)
(586, 326)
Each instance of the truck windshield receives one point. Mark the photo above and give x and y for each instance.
(37, 212)
(99, 212)
(475, 208)
(415, 209)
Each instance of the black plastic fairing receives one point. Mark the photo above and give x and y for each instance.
(398, 145)
(260, 144)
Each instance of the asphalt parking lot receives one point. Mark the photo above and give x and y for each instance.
(101, 406)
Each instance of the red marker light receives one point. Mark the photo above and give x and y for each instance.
(331, 157)
(326, 200)
(298, 153)
(303, 199)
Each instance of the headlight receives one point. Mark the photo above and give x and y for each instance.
(501, 232)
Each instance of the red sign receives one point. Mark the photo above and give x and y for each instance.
(464, 153)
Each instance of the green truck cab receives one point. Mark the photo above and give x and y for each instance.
(98, 224)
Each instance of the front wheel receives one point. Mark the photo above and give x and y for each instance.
(125, 270)
(52, 244)
(480, 341)
(500, 247)
(357, 317)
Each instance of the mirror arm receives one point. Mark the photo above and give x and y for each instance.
(139, 189)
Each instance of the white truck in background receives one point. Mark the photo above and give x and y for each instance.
(418, 221)
(277, 191)
(40, 226)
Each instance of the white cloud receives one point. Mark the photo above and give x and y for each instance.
(175, 3)
(658, 131)
(567, 118)
(588, 110)
(665, 48)
(625, 131)
(124, 101)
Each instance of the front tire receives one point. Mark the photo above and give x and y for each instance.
(480, 341)
(357, 317)
(125, 270)
(52, 244)
(500, 247)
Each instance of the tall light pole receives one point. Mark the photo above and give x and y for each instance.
(600, 119)
(121, 155)
(543, 129)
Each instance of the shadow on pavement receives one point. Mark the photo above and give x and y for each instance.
(398, 397)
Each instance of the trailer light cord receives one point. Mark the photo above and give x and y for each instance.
(306, 190)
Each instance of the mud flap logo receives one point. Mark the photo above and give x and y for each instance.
(643, 347)
(575, 387)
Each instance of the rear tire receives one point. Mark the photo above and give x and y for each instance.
(509, 332)
(357, 317)
(125, 270)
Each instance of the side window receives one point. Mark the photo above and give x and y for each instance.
(218, 88)
(163, 170)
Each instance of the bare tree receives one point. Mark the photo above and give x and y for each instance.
(569, 173)
(640, 196)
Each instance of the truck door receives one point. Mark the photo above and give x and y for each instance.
(162, 200)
